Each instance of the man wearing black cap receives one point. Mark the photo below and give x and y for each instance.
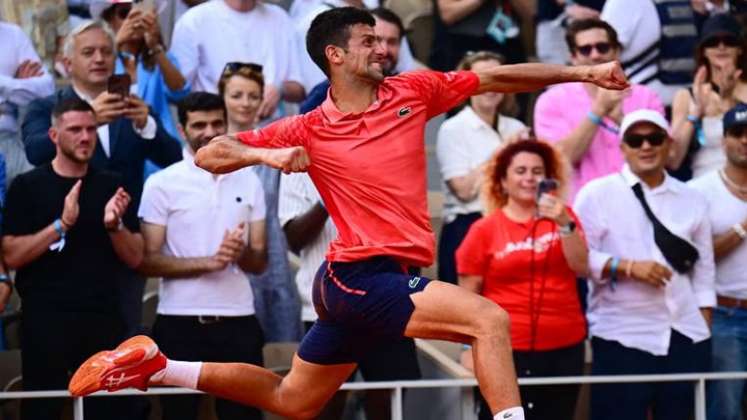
(725, 191)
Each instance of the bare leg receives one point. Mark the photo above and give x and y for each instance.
(301, 394)
(447, 312)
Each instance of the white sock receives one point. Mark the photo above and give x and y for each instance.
(176, 373)
(513, 413)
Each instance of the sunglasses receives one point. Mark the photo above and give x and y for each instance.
(601, 47)
(636, 140)
(715, 41)
(235, 66)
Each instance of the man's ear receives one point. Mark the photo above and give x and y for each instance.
(334, 54)
(53, 133)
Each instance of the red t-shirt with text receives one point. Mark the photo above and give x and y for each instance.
(500, 251)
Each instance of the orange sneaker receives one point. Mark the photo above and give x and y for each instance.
(130, 365)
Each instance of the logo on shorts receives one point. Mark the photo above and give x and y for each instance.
(404, 111)
(414, 282)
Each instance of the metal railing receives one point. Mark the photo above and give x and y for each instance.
(398, 386)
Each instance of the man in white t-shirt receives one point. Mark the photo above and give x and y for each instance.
(195, 226)
(725, 191)
(217, 32)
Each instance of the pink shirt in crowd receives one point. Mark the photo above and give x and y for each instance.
(563, 107)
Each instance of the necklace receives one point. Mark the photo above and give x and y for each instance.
(742, 190)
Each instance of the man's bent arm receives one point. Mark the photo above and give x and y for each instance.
(529, 77)
(302, 230)
(155, 263)
(128, 246)
(226, 154)
(21, 250)
(254, 258)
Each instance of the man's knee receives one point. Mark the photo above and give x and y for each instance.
(492, 320)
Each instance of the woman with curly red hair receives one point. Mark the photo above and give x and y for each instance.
(525, 255)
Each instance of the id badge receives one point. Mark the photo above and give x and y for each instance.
(502, 27)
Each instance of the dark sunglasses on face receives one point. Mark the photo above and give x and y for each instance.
(727, 40)
(601, 47)
(636, 140)
(235, 66)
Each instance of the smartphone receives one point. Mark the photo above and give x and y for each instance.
(545, 186)
(144, 5)
(119, 84)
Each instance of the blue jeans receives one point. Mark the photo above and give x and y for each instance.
(729, 338)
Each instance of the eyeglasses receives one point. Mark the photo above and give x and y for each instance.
(715, 41)
(601, 47)
(636, 140)
(235, 66)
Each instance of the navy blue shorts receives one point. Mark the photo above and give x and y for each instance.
(360, 305)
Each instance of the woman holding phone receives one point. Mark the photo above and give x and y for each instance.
(525, 255)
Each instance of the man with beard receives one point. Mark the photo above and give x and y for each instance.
(582, 119)
(390, 32)
(364, 149)
(71, 235)
(206, 307)
(725, 190)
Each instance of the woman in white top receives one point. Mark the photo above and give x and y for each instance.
(721, 82)
(465, 143)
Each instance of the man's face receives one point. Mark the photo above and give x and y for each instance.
(74, 133)
(593, 47)
(390, 39)
(735, 146)
(363, 58)
(645, 147)
(92, 59)
(202, 126)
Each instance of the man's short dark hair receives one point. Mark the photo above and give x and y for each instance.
(584, 25)
(333, 28)
(388, 16)
(199, 101)
(70, 104)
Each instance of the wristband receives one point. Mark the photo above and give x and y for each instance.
(693, 119)
(613, 272)
(58, 228)
(740, 231)
(4, 278)
(57, 246)
(596, 119)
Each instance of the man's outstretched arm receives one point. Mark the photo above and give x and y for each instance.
(226, 154)
(529, 77)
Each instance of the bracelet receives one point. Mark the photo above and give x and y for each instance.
(629, 269)
(156, 50)
(4, 278)
(58, 227)
(693, 119)
(740, 231)
(596, 119)
(613, 272)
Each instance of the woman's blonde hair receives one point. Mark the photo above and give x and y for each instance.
(246, 71)
(556, 167)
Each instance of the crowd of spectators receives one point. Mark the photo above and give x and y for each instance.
(615, 217)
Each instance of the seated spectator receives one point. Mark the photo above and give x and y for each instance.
(22, 79)
(214, 33)
(698, 110)
(69, 245)
(127, 134)
(275, 295)
(552, 18)
(525, 255)
(154, 72)
(463, 26)
(205, 307)
(651, 278)
(583, 119)
(725, 191)
(658, 39)
(465, 144)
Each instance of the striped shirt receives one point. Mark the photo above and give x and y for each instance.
(297, 196)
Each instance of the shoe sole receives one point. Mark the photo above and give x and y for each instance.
(132, 352)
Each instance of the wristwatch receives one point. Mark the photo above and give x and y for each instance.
(740, 231)
(568, 229)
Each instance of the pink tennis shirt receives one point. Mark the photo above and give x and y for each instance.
(563, 107)
(370, 167)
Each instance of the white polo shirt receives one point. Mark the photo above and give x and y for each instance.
(636, 314)
(197, 208)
